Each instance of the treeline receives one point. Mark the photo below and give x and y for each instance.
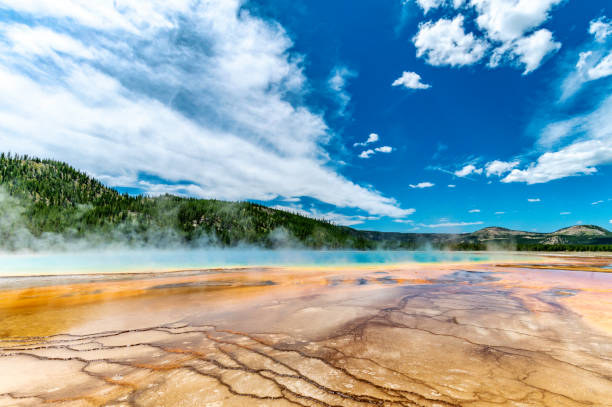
(57, 199)
(51, 201)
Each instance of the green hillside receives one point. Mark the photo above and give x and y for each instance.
(50, 198)
(46, 204)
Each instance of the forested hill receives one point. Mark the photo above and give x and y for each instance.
(46, 204)
(49, 200)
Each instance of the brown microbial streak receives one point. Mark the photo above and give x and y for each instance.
(437, 337)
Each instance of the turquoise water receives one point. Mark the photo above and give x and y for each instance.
(156, 260)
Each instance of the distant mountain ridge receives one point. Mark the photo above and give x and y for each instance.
(46, 204)
(496, 237)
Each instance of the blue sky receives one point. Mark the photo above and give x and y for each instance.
(398, 115)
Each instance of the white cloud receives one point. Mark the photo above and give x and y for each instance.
(384, 149)
(337, 218)
(591, 147)
(579, 158)
(499, 168)
(510, 32)
(565, 213)
(427, 5)
(370, 152)
(531, 50)
(44, 42)
(600, 28)
(500, 213)
(446, 43)
(509, 24)
(452, 186)
(594, 62)
(422, 185)
(602, 69)
(372, 138)
(196, 92)
(467, 170)
(403, 221)
(337, 82)
(410, 80)
(131, 16)
(534, 200)
(610, 220)
(474, 211)
(451, 224)
(508, 20)
(366, 154)
(557, 132)
(597, 202)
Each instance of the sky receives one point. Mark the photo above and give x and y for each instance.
(397, 115)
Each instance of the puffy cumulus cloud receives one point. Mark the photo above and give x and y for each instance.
(468, 170)
(384, 149)
(372, 138)
(508, 20)
(499, 168)
(366, 153)
(410, 80)
(446, 43)
(196, 93)
(600, 28)
(510, 30)
(532, 50)
(590, 147)
(422, 185)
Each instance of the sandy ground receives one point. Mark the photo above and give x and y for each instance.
(420, 335)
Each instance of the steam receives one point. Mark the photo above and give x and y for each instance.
(15, 236)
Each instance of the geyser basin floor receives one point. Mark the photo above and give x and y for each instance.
(413, 335)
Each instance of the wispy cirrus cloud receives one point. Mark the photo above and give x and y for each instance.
(579, 144)
(331, 216)
(337, 83)
(201, 93)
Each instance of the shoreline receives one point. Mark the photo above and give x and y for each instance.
(129, 263)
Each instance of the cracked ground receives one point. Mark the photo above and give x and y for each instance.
(428, 335)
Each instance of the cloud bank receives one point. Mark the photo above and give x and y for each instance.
(189, 97)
